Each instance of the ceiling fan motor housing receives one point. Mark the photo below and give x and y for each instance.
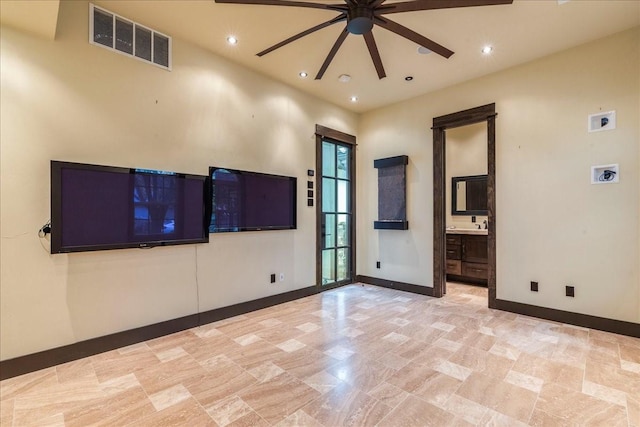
(360, 19)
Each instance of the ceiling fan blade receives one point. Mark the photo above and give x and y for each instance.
(405, 32)
(411, 6)
(375, 3)
(342, 17)
(338, 7)
(343, 35)
(375, 55)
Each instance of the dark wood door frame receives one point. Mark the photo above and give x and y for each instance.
(341, 138)
(440, 125)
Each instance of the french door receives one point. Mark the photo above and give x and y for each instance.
(336, 257)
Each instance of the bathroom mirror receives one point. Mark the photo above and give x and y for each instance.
(469, 195)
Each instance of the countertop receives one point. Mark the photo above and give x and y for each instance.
(475, 231)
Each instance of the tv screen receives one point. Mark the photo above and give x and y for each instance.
(103, 207)
(251, 201)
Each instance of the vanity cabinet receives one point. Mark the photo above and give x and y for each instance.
(467, 258)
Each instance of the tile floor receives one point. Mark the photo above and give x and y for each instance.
(353, 356)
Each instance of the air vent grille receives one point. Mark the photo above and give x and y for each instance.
(111, 31)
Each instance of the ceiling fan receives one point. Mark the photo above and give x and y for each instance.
(361, 16)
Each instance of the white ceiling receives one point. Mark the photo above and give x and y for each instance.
(521, 32)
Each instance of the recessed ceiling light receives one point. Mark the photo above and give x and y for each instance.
(354, 99)
(408, 78)
(232, 40)
(303, 74)
(487, 50)
(344, 78)
(423, 50)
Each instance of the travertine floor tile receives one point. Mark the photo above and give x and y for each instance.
(351, 356)
(508, 399)
(185, 413)
(229, 410)
(169, 397)
(299, 419)
(276, 399)
(346, 406)
(578, 408)
(415, 412)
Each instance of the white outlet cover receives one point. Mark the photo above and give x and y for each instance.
(282, 277)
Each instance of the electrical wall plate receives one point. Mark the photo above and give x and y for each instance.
(605, 174)
(602, 121)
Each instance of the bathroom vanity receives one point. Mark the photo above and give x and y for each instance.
(467, 256)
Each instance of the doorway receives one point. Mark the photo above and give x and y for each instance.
(485, 113)
(335, 166)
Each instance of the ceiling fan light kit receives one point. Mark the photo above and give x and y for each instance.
(360, 20)
(362, 15)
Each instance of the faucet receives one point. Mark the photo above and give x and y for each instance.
(478, 225)
(486, 225)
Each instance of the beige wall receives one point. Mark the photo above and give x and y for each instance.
(465, 155)
(553, 226)
(68, 100)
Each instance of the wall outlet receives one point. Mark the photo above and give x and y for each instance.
(570, 291)
(534, 286)
(282, 277)
(377, 264)
(273, 278)
(473, 218)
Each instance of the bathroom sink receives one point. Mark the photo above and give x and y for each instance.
(457, 230)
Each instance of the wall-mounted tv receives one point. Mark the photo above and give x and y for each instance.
(103, 207)
(251, 201)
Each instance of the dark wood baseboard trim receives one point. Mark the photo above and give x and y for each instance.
(593, 322)
(56, 356)
(257, 304)
(407, 287)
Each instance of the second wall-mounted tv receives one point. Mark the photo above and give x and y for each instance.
(251, 201)
(97, 207)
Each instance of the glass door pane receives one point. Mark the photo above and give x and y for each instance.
(329, 231)
(342, 230)
(328, 195)
(328, 266)
(328, 159)
(342, 262)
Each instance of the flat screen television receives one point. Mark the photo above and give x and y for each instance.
(103, 207)
(251, 201)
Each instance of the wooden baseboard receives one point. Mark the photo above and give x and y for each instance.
(392, 284)
(56, 356)
(593, 322)
(45, 359)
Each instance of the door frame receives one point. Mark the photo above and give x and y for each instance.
(440, 125)
(336, 136)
